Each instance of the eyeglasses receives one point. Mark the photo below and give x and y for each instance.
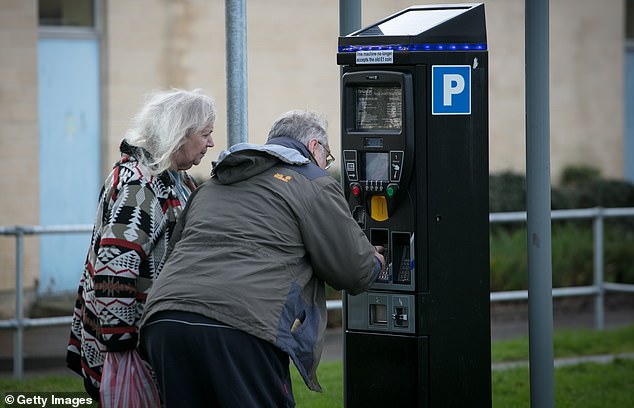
(329, 158)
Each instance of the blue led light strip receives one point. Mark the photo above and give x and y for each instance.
(414, 47)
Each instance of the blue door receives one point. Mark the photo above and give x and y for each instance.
(69, 155)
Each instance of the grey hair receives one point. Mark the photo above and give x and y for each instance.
(164, 123)
(301, 126)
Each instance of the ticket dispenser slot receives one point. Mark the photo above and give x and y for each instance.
(378, 315)
(378, 312)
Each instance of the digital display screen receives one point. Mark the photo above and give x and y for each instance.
(378, 107)
(377, 166)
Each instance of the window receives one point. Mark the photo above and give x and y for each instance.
(67, 13)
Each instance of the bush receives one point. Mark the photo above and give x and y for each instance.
(580, 187)
(618, 252)
(508, 259)
(579, 175)
(507, 192)
(572, 255)
(597, 193)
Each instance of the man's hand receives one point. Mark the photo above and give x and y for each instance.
(378, 252)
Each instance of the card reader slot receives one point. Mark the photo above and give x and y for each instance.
(401, 258)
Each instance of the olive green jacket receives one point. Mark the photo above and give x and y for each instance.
(256, 244)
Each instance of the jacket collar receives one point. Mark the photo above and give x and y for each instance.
(244, 160)
(134, 151)
(291, 144)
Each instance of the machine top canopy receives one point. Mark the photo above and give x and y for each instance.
(412, 21)
(422, 28)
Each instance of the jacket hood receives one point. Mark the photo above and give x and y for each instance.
(244, 160)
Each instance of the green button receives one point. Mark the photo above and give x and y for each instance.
(390, 191)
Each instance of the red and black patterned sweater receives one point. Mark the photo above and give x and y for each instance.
(135, 218)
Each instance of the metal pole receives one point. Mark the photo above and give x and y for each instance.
(18, 336)
(597, 235)
(237, 106)
(349, 16)
(540, 304)
(349, 21)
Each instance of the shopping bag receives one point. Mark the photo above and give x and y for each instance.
(126, 381)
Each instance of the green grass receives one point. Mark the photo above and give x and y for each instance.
(330, 376)
(569, 343)
(586, 385)
(582, 385)
(65, 383)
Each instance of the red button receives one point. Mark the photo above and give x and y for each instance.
(356, 191)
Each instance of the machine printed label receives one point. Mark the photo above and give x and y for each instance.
(375, 57)
(451, 89)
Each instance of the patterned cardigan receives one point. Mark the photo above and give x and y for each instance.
(134, 222)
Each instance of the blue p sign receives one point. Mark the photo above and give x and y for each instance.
(451, 90)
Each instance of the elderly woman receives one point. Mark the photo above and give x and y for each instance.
(139, 204)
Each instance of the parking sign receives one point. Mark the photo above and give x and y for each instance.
(451, 90)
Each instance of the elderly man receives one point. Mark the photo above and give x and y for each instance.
(243, 288)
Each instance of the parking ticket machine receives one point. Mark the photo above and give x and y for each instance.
(414, 149)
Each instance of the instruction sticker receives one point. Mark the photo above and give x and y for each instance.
(375, 57)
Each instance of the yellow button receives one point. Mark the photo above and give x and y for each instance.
(378, 208)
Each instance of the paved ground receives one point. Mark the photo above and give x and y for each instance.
(44, 348)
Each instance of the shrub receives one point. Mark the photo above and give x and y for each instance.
(572, 256)
(507, 192)
(580, 187)
(579, 175)
(618, 252)
(508, 259)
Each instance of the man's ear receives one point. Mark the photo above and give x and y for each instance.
(311, 145)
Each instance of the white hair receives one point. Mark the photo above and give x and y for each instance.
(164, 123)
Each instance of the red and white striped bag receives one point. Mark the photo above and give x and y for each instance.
(126, 381)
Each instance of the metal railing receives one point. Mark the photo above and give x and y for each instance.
(598, 288)
(19, 323)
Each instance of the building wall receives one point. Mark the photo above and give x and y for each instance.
(586, 82)
(177, 44)
(151, 44)
(19, 139)
(292, 64)
(587, 62)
